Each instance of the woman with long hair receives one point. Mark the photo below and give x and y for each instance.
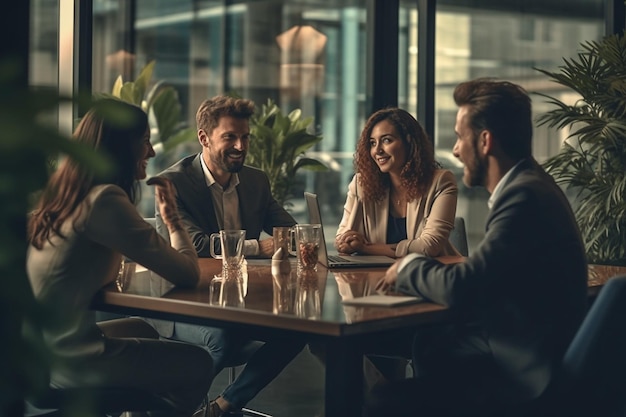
(81, 229)
(400, 201)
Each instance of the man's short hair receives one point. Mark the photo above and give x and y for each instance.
(211, 110)
(501, 107)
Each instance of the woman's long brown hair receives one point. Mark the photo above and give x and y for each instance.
(112, 127)
(420, 166)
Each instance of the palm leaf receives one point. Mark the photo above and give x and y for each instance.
(592, 162)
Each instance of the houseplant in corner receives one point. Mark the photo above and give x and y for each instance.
(278, 148)
(592, 161)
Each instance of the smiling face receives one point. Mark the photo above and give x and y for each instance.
(466, 150)
(387, 149)
(225, 149)
(146, 151)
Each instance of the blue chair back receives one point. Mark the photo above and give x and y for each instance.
(594, 365)
(458, 236)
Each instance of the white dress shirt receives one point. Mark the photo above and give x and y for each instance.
(226, 205)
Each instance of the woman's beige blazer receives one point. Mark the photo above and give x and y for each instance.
(429, 218)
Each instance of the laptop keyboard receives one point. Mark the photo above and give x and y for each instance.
(338, 259)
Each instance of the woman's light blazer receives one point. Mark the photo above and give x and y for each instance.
(429, 219)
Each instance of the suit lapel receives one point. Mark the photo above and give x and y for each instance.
(250, 199)
(202, 194)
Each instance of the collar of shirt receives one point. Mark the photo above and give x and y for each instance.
(229, 198)
(500, 185)
(210, 179)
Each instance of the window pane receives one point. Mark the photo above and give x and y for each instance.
(44, 51)
(204, 47)
(254, 49)
(472, 43)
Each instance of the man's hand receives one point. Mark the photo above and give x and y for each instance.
(266, 247)
(388, 281)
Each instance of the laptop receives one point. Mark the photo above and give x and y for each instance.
(339, 261)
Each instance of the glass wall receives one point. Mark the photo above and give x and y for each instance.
(313, 55)
(44, 51)
(510, 44)
(301, 55)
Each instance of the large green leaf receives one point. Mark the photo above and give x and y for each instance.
(145, 77)
(27, 145)
(159, 100)
(166, 109)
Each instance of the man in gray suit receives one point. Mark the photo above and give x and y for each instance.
(519, 298)
(215, 190)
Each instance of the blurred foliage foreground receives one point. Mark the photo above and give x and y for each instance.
(26, 146)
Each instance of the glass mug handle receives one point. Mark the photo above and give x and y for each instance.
(212, 243)
(284, 236)
(292, 242)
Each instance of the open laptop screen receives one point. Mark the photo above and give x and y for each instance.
(338, 261)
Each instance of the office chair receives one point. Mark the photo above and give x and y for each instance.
(592, 378)
(50, 401)
(458, 236)
(101, 401)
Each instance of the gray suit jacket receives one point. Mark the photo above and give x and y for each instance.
(525, 285)
(259, 210)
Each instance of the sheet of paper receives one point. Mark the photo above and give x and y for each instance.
(381, 300)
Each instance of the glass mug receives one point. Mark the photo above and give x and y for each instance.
(228, 290)
(307, 245)
(231, 244)
(283, 237)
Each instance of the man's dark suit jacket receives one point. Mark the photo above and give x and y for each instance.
(258, 209)
(525, 284)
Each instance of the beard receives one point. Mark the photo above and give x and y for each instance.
(228, 165)
(477, 171)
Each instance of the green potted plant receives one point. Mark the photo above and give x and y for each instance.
(279, 146)
(592, 161)
(162, 104)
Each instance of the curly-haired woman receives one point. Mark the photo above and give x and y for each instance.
(400, 201)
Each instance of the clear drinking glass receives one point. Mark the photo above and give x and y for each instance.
(308, 245)
(308, 303)
(284, 287)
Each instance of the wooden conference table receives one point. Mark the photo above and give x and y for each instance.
(287, 306)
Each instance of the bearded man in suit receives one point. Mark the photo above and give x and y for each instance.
(519, 297)
(214, 191)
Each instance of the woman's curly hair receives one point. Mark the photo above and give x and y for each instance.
(420, 166)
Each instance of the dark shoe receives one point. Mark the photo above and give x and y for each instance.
(214, 410)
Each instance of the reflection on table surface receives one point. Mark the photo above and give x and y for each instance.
(280, 290)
